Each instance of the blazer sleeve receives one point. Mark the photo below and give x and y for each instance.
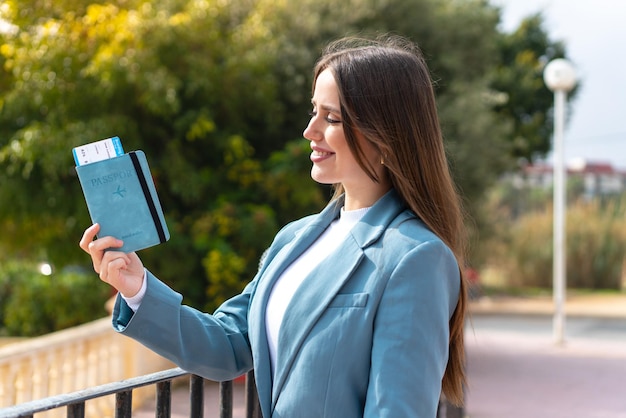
(411, 334)
(213, 346)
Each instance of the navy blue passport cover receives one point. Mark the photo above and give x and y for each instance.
(121, 197)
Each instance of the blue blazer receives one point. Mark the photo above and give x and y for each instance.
(366, 334)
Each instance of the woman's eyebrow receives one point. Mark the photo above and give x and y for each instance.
(330, 109)
(327, 108)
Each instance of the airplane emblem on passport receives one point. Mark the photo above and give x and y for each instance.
(120, 191)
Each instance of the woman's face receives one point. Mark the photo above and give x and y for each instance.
(333, 162)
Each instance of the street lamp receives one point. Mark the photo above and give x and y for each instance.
(560, 77)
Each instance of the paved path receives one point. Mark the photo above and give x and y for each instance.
(519, 372)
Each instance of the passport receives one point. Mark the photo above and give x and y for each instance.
(122, 198)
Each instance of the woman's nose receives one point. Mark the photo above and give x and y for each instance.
(310, 132)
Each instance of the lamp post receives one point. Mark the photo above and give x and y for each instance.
(560, 77)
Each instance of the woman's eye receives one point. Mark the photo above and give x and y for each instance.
(328, 118)
(332, 120)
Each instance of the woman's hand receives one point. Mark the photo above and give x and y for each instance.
(123, 271)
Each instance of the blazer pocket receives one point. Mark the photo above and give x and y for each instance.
(350, 300)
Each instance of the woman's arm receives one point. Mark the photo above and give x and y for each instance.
(214, 346)
(411, 334)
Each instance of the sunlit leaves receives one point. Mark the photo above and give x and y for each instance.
(216, 93)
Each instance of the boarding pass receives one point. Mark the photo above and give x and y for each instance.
(98, 151)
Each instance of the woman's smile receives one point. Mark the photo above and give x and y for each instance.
(318, 155)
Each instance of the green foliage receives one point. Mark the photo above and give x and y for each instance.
(32, 304)
(529, 251)
(524, 98)
(520, 244)
(216, 94)
(596, 244)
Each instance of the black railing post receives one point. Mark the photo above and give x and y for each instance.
(253, 409)
(76, 410)
(164, 399)
(226, 399)
(453, 411)
(445, 409)
(196, 396)
(124, 404)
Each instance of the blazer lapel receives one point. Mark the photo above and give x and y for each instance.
(273, 267)
(325, 281)
(309, 303)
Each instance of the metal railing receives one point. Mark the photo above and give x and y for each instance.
(51, 368)
(447, 410)
(123, 391)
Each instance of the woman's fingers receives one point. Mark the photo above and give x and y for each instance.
(123, 271)
(88, 237)
(111, 265)
(97, 248)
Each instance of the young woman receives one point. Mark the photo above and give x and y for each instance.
(357, 311)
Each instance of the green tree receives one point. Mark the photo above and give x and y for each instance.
(525, 100)
(216, 94)
(189, 83)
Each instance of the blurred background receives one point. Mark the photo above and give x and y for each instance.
(216, 93)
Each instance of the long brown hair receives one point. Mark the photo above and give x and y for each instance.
(387, 98)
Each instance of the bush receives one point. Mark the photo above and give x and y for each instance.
(596, 245)
(33, 304)
(530, 252)
(595, 240)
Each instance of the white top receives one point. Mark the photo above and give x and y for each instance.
(293, 276)
(135, 301)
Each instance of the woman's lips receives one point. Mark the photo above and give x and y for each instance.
(319, 155)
